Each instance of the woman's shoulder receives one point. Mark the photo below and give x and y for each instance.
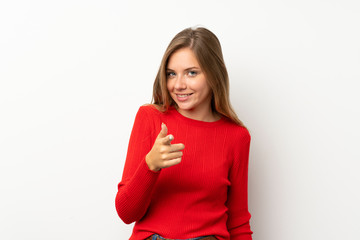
(149, 110)
(148, 115)
(239, 132)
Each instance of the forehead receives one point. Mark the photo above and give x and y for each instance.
(182, 59)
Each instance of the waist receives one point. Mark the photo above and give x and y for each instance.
(158, 237)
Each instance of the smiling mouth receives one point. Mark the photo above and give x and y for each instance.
(183, 95)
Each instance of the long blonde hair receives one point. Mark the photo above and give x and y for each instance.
(207, 49)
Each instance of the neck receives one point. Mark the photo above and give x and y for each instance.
(205, 115)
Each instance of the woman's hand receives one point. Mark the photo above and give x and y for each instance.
(164, 154)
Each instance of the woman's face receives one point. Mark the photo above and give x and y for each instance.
(187, 84)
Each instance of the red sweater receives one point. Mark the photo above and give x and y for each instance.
(206, 194)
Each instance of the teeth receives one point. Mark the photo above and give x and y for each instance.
(183, 95)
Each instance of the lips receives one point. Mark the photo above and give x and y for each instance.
(183, 97)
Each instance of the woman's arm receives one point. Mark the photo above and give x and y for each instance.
(138, 181)
(147, 155)
(238, 214)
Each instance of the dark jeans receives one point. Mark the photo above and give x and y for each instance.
(158, 237)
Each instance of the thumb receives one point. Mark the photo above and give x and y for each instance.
(163, 131)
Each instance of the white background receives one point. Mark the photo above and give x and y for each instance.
(74, 73)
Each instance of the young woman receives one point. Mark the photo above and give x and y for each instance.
(186, 169)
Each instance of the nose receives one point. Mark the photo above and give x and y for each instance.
(180, 82)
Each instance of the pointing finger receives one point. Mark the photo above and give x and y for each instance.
(167, 140)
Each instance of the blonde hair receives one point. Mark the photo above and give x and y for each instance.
(207, 49)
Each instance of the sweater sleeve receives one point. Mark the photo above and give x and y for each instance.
(238, 215)
(137, 183)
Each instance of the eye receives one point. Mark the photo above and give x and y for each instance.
(192, 73)
(170, 74)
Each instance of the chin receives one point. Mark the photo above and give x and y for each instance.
(184, 106)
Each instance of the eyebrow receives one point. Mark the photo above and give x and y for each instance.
(168, 69)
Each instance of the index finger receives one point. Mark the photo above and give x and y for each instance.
(167, 140)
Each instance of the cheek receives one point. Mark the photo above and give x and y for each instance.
(170, 88)
(169, 85)
(202, 86)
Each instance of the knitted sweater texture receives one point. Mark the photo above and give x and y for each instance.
(206, 194)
